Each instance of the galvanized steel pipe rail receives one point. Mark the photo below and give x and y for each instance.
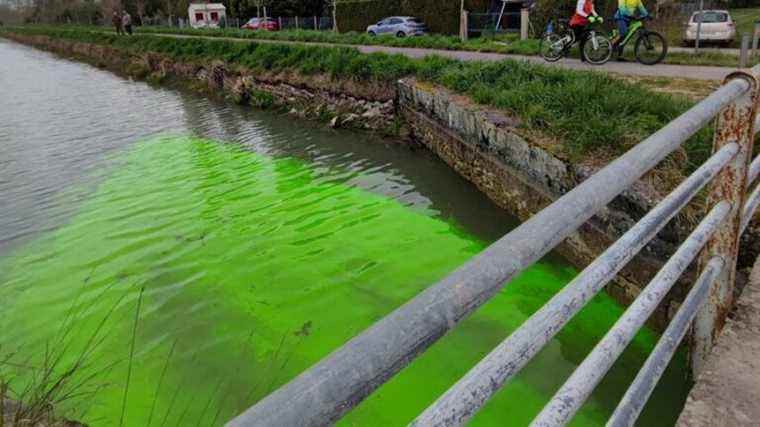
(326, 391)
(638, 393)
(470, 393)
(571, 396)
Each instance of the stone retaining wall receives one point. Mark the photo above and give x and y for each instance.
(485, 147)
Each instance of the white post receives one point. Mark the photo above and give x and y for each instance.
(743, 53)
(524, 23)
(463, 30)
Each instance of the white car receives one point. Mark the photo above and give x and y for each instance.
(717, 26)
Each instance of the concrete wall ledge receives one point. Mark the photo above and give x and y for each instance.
(727, 393)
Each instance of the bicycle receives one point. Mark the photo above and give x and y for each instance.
(650, 47)
(595, 47)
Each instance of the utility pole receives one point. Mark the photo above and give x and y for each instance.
(699, 24)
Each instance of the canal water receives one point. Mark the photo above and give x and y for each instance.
(167, 259)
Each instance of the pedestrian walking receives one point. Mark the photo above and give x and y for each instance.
(126, 22)
(116, 20)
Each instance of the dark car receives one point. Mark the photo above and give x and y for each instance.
(399, 26)
(264, 24)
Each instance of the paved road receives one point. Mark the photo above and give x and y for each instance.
(628, 68)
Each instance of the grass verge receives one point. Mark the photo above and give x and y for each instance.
(508, 44)
(505, 44)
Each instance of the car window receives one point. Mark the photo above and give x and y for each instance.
(253, 21)
(383, 22)
(415, 20)
(711, 17)
(395, 21)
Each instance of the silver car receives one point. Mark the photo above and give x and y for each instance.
(717, 26)
(399, 26)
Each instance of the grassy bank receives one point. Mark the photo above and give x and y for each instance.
(508, 44)
(505, 44)
(585, 115)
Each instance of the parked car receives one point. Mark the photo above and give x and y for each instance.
(399, 26)
(717, 26)
(264, 24)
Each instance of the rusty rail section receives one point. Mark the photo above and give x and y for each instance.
(324, 393)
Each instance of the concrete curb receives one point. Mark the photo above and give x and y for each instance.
(728, 391)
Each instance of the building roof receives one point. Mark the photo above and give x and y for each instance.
(206, 6)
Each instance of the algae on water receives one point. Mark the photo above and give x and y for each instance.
(253, 269)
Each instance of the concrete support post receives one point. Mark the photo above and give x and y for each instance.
(316, 23)
(524, 23)
(279, 22)
(296, 22)
(463, 29)
(744, 52)
(735, 123)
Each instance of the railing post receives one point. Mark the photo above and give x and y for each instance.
(735, 123)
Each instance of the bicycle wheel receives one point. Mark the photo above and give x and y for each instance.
(551, 47)
(650, 48)
(597, 49)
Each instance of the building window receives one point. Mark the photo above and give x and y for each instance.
(199, 16)
(214, 16)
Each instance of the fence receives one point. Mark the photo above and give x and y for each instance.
(325, 392)
(490, 23)
(321, 23)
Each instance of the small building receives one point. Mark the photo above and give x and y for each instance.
(206, 15)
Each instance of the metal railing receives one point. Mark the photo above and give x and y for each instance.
(325, 392)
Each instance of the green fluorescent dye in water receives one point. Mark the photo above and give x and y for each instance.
(249, 270)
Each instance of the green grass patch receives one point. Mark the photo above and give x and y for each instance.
(745, 20)
(589, 113)
(501, 44)
(504, 44)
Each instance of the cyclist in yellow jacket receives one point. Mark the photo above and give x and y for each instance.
(628, 10)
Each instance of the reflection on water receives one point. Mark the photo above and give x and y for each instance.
(190, 276)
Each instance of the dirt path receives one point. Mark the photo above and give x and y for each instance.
(627, 68)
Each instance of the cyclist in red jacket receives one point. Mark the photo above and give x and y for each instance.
(585, 14)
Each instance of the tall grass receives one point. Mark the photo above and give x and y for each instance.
(51, 382)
